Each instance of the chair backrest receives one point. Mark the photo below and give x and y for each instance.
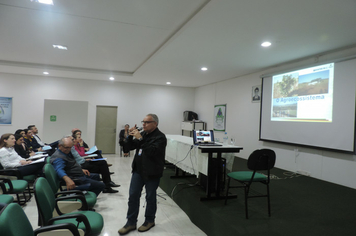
(261, 159)
(45, 200)
(14, 222)
(52, 177)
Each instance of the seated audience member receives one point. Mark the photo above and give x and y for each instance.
(20, 131)
(82, 143)
(82, 147)
(71, 172)
(53, 145)
(10, 159)
(34, 130)
(21, 148)
(100, 167)
(124, 134)
(31, 142)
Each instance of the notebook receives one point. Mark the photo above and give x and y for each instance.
(204, 138)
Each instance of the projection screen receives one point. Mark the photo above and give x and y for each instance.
(313, 106)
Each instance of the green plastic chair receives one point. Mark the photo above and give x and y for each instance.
(4, 198)
(14, 222)
(16, 187)
(14, 172)
(89, 221)
(54, 181)
(259, 160)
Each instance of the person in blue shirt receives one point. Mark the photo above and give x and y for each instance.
(71, 172)
(100, 167)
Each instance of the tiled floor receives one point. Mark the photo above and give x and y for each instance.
(170, 219)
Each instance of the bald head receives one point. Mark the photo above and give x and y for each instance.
(65, 145)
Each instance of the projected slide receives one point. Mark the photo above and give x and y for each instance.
(305, 95)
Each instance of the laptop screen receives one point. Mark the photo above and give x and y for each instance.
(201, 136)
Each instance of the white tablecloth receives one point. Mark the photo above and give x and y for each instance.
(192, 161)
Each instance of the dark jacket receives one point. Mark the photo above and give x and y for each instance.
(21, 151)
(32, 144)
(150, 163)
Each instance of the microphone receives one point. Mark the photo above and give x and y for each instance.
(139, 128)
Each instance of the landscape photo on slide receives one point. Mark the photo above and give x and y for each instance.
(289, 89)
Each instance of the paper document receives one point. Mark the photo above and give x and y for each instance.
(92, 150)
(100, 159)
(37, 156)
(45, 148)
(37, 161)
(91, 155)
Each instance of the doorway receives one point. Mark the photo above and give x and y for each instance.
(105, 131)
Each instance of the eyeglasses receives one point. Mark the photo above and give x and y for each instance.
(147, 122)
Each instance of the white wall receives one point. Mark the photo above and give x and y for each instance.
(242, 122)
(134, 101)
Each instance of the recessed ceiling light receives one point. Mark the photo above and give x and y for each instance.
(48, 2)
(266, 44)
(112, 78)
(168, 82)
(204, 69)
(45, 73)
(60, 47)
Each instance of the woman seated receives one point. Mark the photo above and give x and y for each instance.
(82, 147)
(100, 167)
(20, 131)
(21, 148)
(124, 134)
(82, 143)
(10, 159)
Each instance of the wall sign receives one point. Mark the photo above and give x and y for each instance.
(5, 110)
(219, 117)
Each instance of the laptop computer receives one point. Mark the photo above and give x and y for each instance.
(204, 138)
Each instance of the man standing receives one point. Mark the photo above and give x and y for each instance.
(71, 172)
(147, 169)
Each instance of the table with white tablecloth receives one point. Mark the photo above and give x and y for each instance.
(192, 159)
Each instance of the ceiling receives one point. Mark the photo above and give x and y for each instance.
(156, 41)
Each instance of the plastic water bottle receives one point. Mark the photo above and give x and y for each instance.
(226, 139)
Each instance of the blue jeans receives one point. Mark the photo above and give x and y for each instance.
(91, 183)
(136, 185)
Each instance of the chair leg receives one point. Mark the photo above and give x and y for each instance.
(246, 188)
(227, 190)
(269, 203)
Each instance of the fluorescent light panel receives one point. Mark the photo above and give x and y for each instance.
(48, 2)
(266, 44)
(60, 47)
